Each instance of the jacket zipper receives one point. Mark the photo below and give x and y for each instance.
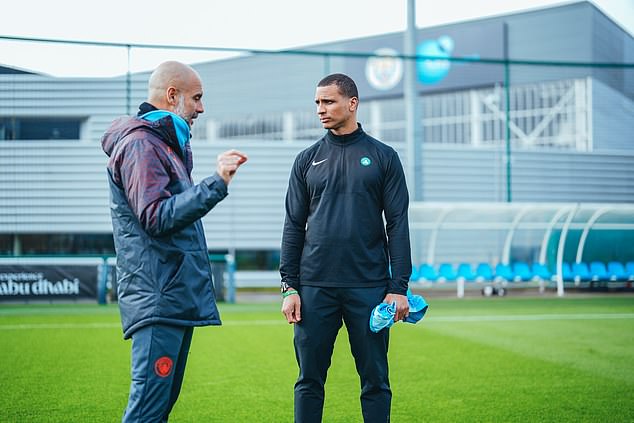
(343, 169)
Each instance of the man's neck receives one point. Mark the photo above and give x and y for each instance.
(349, 128)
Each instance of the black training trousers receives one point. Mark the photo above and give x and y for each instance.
(323, 310)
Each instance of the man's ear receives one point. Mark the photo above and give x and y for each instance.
(171, 95)
(353, 104)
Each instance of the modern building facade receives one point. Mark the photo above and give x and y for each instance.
(510, 109)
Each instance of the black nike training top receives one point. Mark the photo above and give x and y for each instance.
(334, 233)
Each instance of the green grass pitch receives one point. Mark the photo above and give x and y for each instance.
(505, 359)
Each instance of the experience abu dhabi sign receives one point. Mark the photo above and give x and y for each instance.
(382, 74)
(20, 282)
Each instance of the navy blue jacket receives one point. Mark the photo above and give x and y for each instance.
(163, 270)
(339, 190)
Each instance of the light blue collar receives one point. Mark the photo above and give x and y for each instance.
(180, 125)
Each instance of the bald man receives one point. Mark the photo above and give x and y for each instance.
(165, 286)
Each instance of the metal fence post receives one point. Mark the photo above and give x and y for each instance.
(231, 282)
(102, 282)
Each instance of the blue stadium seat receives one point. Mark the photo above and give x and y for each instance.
(541, 271)
(484, 273)
(598, 271)
(447, 272)
(581, 272)
(522, 272)
(414, 276)
(466, 272)
(503, 272)
(427, 273)
(629, 269)
(616, 271)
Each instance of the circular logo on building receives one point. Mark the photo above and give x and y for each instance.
(365, 161)
(384, 71)
(432, 71)
(163, 366)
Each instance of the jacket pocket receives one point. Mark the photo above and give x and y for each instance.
(172, 272)
(188, 295)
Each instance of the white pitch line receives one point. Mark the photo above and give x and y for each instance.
(530, 317)
(118, 325)
(60, 326)
(428, 319)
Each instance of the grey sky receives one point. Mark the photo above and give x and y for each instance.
(249, 24)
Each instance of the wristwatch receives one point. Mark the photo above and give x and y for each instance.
(285, 287)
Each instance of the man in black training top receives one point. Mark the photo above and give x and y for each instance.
(338, 259)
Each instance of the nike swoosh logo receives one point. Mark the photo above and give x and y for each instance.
(319, 162)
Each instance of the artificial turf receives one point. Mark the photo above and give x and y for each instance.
(528, 359)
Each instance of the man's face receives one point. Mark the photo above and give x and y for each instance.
(189, 102)
(335, 111)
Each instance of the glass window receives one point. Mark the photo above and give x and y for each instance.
(67, 244)
(257, 259)
(39, 128)
(6, 244)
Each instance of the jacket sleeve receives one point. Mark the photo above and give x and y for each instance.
(145, 177)
(297, 205)
(395, 207)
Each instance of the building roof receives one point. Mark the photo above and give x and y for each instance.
(13, 70)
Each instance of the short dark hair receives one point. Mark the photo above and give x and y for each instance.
(344, 83)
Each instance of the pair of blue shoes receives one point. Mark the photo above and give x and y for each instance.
(383, 315)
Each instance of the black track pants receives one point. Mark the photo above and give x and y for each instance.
(323, 310)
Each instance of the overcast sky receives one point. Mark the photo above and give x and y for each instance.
(246, 24)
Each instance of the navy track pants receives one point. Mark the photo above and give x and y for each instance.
(323, 310)
(159, 356)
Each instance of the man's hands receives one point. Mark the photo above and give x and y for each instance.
(228, 163)
(291, 308)
(402, 305)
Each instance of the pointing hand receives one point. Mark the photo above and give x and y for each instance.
(228, 164)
